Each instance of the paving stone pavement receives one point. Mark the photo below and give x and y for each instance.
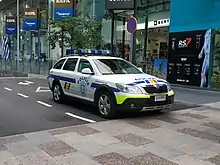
(188, 137)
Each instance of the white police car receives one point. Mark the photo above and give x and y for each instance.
(111, 83)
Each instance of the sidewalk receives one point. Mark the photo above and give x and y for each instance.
(189, 137)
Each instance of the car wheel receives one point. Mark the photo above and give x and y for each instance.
(58, 94)
(106, 105)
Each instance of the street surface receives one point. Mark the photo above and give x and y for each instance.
(187, 137)
(196, 96)
(27, 106)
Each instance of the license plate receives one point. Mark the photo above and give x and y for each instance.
(160, 98)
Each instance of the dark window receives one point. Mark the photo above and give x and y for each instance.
(70, 64)
(59, 64)
(84, 64)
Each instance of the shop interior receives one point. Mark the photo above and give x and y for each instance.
(157, 46)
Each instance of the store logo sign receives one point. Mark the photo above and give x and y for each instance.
(30, 13)
(61, 13)
(120, 4)
(63, 1)
(184, 43)
(11, 25)
(30, 24)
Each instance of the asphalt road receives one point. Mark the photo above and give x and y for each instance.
(196, 96)
(23, 110)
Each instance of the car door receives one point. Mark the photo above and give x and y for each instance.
(84, 81)
(56, 71)
(69, 82)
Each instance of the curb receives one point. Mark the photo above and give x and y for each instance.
(195, 88)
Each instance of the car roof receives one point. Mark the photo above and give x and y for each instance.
(94, 57)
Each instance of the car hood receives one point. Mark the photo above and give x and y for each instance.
(133, 79)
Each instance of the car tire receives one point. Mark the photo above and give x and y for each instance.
(57, 91)
(106, 105)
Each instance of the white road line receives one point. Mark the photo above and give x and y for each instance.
(23, 83)
(45, 104)
(22, 95)
(79, 117)
(7, 89)
(29, 82)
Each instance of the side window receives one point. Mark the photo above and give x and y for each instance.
(59, 64)
(70, 64)
(84, 64)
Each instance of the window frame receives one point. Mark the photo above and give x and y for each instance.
(77, 59)
(63, 59)
(88, 62)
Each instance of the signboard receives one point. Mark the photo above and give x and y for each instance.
(31, 19)
(120, 4)
(188, 60)
(131, 24)
(11, 25)
(64, 8)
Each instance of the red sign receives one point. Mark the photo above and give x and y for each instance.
(131, 24)
(184, 43)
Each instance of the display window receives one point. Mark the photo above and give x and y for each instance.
(189, 58)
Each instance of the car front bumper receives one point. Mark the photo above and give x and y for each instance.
(145, 104)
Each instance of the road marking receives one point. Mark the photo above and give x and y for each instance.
(7, 89)
(23, 83)
(29, 82)
(79, 117)
(43, 89)
(45, 104)
(22, 95)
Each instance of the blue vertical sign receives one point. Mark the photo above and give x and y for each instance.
(64, 8)
(11, 25)
(31, 19)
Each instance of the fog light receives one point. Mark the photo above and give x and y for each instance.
(132, 105)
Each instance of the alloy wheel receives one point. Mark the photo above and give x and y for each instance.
(104, 105)
(57, 93)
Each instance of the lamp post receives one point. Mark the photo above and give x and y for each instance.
(18, 36)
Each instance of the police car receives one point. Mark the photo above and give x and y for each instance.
(112, 84)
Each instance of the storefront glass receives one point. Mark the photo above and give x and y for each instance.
(37, 56)
(33, 56)
(215, 80)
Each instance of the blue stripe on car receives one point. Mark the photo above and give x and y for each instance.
(71, 80)
(96, 85)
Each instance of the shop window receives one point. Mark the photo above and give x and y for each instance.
(215, 80)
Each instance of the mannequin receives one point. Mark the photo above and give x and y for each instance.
(206, 52)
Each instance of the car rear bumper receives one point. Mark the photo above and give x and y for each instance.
(145, 104)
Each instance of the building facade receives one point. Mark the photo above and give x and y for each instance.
(36, 55)
(194, 56)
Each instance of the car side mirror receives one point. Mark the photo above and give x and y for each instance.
(87, 71)
(140, 69)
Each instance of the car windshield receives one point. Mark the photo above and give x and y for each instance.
(115, 66)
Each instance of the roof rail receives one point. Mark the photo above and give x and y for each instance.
(90, 52)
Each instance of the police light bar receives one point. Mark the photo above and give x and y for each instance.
(94, 52)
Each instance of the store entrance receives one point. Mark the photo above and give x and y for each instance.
(120, 39)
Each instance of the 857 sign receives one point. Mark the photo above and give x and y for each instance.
(184, 43)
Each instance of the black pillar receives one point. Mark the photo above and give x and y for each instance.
(134, 36)
(123, 38)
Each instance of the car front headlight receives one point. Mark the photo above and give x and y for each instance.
(169, 86)
(128, 89)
